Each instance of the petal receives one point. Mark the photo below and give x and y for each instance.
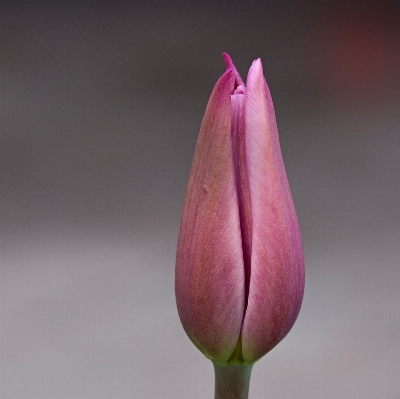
(277, 265)
(209, 268)
(230, 65)
(242, 183)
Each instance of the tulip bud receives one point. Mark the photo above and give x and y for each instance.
(239, 266)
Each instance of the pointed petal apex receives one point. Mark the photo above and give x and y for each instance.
(230, 65)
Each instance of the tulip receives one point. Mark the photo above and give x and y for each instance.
(240, 265)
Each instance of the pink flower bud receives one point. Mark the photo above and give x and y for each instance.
(239, 266)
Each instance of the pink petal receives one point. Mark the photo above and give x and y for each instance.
(230, 65)
(242, 182)
(277, 265)
(209, 268)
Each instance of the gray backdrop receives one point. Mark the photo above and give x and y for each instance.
(101, 104)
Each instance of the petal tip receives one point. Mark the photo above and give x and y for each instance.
(230, 65)
(228, 61)
(256, 69)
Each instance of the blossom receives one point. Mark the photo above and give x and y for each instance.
(240, 266)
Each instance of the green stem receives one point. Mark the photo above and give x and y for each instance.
(232, 381)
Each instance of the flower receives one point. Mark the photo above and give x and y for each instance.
(239, 266)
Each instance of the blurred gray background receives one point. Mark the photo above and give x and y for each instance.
(101, 104)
